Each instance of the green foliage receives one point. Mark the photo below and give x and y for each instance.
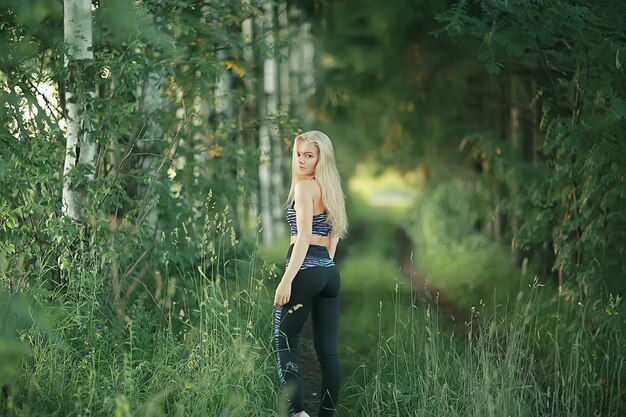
(367, 300)
(156, 163)
(538, 356)
(154, 306)
(151, 339)
(15, 317)
(565, 188)
(162, 229)
(528, 91)
(451, 252)
(386, 89)
(582, 341)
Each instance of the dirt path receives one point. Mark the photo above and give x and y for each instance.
(456, 316)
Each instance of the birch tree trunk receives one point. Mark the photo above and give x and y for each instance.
(267, 102)
(80, 146)
(273, 102)
(301, 64)
(265, 147)
(284, 30)
(514, 135)
(252, 108)
(151, 103)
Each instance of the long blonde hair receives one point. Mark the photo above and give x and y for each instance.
(328, 178)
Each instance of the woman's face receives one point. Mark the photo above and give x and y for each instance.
(307, 156)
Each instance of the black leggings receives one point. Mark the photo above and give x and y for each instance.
(314, 289)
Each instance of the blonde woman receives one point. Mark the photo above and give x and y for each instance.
(317, 218)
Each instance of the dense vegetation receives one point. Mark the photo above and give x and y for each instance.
(495, 291)
(522, 101)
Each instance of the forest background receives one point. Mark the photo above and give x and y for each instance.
(145, 159)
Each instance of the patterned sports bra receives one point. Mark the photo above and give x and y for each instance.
(316, 255)
(321, 227)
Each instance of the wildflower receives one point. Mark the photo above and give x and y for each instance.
(98, 333)
(240, 71)
(215, 151)
(294, 308)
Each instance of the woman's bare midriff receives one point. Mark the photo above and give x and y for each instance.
(315, 240)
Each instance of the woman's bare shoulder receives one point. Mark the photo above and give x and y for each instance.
(308, 188)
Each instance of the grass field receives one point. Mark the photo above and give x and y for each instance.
(198, 345)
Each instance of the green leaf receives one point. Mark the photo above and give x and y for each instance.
(619, 107)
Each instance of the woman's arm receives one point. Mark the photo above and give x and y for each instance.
(304, 220)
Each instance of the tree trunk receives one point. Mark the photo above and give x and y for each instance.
(283, 30)
(151, 103)
(267, 102)
(251, 113)
(301, 63)
(515, 137)
(273, 103)
(80, 154)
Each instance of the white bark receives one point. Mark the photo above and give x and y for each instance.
(301, 63)
(264, 184)
(77, 30)
(225, 107)
(80, 147)
(284, 73)
(223, 95)
(273, 103)
(151, 103)
(247, 28)
(266, 106)
(515, 114)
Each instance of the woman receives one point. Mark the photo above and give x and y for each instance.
(317, 218)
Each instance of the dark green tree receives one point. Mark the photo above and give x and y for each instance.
(559, 166)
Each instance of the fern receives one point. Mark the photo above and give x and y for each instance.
(455, 19)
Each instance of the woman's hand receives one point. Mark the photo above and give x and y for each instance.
(283, 293)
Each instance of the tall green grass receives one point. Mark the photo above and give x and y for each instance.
(189, 335)
(540, 355)
(197, 342)
(211, 365)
